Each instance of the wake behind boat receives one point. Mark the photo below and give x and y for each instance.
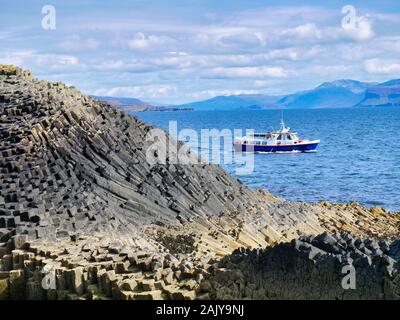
(275, 141)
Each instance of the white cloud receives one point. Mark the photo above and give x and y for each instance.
(287, 53)
(261, 37)
(305, 31)
(242, 40)
(361, 31)
(55, 60)
(178, 53)
(386, 17)
(267, 48)
(388, 44)
(246, 72)
(205, 94)
(43, 62)
(328, 71)
(142, 42)
(378, 66)
(147, 92)
(267, 83)
(75, 43)
(17, 58)
(186, 63)
(279, 16)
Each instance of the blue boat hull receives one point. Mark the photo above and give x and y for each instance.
(276, 148)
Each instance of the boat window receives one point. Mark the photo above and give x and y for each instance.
(288, 137)
(279, 137)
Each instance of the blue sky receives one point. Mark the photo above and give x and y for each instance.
(180, 51)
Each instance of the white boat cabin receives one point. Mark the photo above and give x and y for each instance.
(281, 137)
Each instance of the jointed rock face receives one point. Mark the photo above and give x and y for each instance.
(81, 208)
(70, 164)
(311, 268)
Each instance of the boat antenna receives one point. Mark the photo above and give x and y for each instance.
(282, 123)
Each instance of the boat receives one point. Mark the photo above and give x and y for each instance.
(279, 141)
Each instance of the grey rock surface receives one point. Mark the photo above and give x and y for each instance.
(70, 163)
(317, 267)
(78, 197)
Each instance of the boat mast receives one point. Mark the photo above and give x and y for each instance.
(282, 123)
(283, 128)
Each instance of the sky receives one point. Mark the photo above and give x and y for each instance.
(172, 52)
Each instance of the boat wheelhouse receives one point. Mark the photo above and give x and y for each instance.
(282, 140)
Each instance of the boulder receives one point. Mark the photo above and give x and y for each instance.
(4, 289)
(17, 284)
(149, 295)
(148, 284)
(128, 285)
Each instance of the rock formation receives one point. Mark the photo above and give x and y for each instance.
(84, 215)
(311, 268)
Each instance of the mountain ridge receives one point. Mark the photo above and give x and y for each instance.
(342, 93)
(385, 94)
(135, 105)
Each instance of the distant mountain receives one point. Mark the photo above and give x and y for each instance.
(382, 95)
(121, 100)
(243, 101)
(336, 94)
(352, 85)
(135, 105)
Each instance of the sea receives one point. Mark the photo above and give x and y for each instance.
(358, 157)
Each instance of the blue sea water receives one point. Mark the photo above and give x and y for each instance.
(358, 157)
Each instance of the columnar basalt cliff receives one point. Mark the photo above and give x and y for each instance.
(84, 215)
(317, 267)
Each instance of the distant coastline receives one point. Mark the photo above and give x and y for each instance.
(345, 93)
(136, 105)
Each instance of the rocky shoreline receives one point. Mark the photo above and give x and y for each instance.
(84, 216)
